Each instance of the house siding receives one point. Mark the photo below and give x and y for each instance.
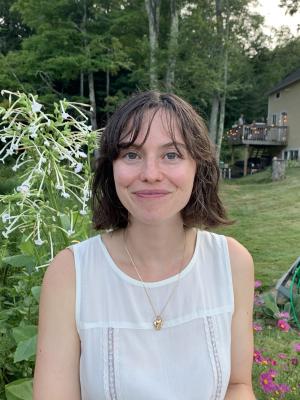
(288, 102)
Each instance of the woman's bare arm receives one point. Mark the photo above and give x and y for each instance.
(240, 384)
(56, 373)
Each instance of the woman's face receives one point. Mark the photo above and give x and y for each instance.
(154, 182)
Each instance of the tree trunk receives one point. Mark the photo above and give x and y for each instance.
(214, 118)
(173, 44)
(221, 126)
(92, 100)
(107, 89)
(224, 35)
(81, 84)
(152, 8)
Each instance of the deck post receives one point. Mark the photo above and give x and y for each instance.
(232, 154)
(246, 155)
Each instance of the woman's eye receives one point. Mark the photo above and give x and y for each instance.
(172, 156)
(131, 155)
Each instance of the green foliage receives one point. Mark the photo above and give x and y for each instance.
(45, 211)
(19, 390)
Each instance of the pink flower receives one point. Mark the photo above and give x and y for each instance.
(257, 327)
(283, 388)
(257, 356)
(282, 356)
(283, 315)
(283, 325)
(257, 284)
(297, 347)
(267, 381)
(294, 361)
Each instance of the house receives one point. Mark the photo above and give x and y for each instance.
(280, 136)
(284, 110)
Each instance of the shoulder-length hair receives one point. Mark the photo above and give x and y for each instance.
(204, 208)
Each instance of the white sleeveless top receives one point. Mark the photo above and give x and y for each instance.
(123, 357)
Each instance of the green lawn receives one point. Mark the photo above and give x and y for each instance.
(267, 216)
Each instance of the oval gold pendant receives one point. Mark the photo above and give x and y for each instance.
(157, 323)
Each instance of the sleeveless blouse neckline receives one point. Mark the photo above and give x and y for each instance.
(162, 282)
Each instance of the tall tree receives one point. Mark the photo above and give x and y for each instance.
(153, 12)
(70, 41)
(173, 44)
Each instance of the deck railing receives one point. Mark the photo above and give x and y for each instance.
(258, 134)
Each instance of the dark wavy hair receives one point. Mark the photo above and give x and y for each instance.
(204, 208)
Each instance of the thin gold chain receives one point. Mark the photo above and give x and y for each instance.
(141, 279)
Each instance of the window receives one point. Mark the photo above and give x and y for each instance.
(286, 153)
(277, 95)
(274, 119)
(294, 155)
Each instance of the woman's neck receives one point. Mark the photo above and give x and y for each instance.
(159, 250)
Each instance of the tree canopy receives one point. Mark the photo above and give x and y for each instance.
(211, 52)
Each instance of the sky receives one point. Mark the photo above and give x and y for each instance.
(275, 16)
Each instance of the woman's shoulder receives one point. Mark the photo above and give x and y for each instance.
(60, 274)
(241, 261)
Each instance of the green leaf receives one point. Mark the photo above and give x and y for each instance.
(19, 390)
(26, 349)
(19, 260)
(36, 291)
(22, 333)
(27, 247)
(270, 304)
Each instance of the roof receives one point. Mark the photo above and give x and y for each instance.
(287, 81)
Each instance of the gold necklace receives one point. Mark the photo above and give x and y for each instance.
(158, 321)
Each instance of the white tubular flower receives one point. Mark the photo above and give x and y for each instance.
(24, 188)
(65, 115)
(83, 211)
(39, 241)
(47, 143)
(70, 232)
(35, 106)
(5, 217)
(5, 234)
(33, 129)
(82, 154)
(65, 195)
(78, 168)
(86, 194)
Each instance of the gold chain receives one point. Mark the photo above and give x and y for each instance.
(158, 322)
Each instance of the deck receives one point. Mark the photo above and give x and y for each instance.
(258, 134)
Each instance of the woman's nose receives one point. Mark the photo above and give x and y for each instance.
(151, 171)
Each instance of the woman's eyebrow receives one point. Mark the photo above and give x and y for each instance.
(165, 145)
(174, 144)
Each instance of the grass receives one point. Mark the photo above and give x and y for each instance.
(267, 216)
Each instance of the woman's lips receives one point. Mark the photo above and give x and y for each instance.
(151, 193)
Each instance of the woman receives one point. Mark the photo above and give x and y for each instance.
(153, 309)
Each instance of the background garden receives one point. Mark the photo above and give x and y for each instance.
(64, 66)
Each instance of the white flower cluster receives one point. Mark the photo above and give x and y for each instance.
(48, 149)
